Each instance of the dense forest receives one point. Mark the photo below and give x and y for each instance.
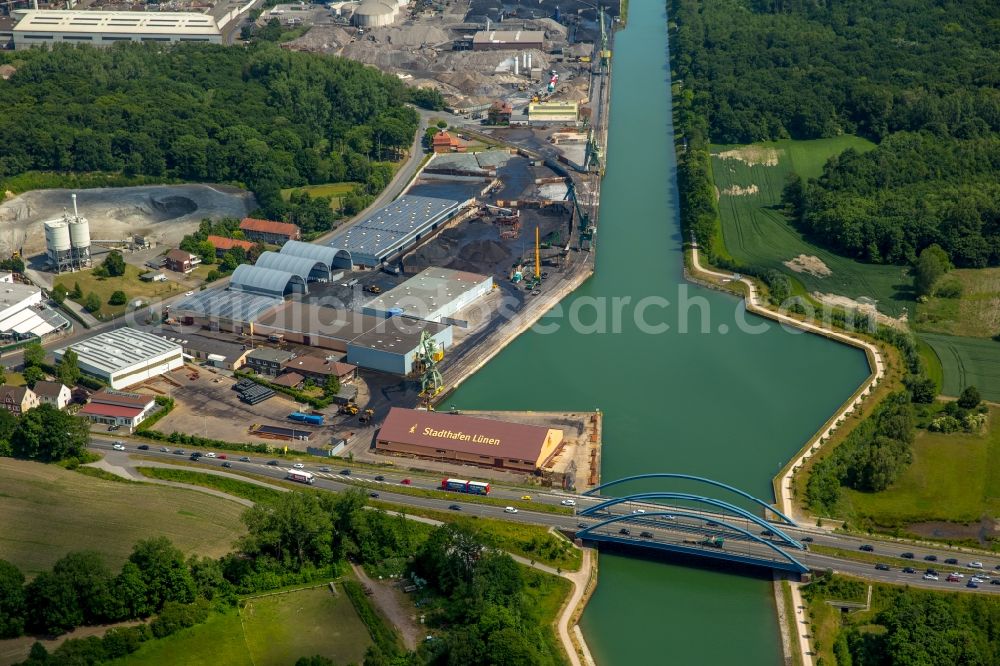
(919, 76)
(260, 116)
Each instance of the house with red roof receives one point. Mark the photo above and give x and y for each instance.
(119, 408)
(269, 231)
(223, 244)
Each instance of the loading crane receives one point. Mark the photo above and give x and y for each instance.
(584, 226)
(428, 355)
(593, 161)
(605, 53)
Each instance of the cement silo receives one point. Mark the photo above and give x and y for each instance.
(58, 245)
(375, 13)
(79, 238)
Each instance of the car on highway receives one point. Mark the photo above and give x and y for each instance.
(582, 526)
(509, 509)
(178, 452)
(973, 584)
(976, 565)
(406, 482)
(195, 458)
(325, 469)
(373, 495)
(568, 502)
(908, 556)
(928, 576)
(380, 478)
(646, 535)
(272, 463)
(807, 539)
(164, 449)
(345, 472)
(712, 523)
(883, 567)
(932, 572)
(930, 558)
(118, 447)
(197, 454)
(995, 581)
(638, 511)
(977, 579)
(956, 574)
(867, 548)
(244, 458)
(190, 293)
(951, 560)
(997, 567)
(625, 531)
(455, 507)
(227, 464)
(210, 454)
(909, 570)
(143, 447)
(299, 466)
(222, 456)
(952, 578)
(526, 498)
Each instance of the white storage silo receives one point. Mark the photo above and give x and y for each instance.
(79, 236)
(57, 244)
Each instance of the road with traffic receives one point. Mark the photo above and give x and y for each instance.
(389, 486)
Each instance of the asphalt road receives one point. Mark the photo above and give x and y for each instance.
(675, 529)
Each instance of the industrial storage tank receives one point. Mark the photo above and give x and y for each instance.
(57, 236)
(79, 236)
(375, 13)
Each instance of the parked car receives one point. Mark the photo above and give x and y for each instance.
(867, 548)
(143, 447)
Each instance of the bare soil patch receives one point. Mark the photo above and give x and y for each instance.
(805, 263)
(737, 191)
(753, 155)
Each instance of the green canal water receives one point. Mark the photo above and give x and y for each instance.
(717, 400)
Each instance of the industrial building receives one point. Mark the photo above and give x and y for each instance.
(314, 325)
(267, 281)
(466, 439)
(332, 257)
(396, 227)
(125, 356)
(222, 309)
(375, 13)
(22, 313)
(501, 40)
(310, 270)
(38, 27)
(117, 408)
(553, 112)
(433, 294)
(212, 351)
(268, 231)
(392, 346)
(67, 241)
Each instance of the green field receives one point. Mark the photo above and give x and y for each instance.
(129, 283)
(976, 314)
(749, 180)
(276, 629)
(336, 192)
(245, 489)
(967, 362)
(48, 511)
(953, 477)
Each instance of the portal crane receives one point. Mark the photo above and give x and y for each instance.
(586, 229)
(428, 354)
(605, 51)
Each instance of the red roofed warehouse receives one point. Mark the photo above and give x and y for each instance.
(119, 408)
(267, 231)
(223, 244)
(467, 439)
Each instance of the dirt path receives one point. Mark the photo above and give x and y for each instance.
(388, 601)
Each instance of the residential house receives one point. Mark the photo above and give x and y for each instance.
(443, 142)
(319, 369)
(17, 399)
(181, 262)
(223, 244)
(56, 394)
(268, 361)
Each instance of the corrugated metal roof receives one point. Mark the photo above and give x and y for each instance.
(257, 279)
(290, 263)
(324, 253)
(226, 304)
(59, 21)
(119, 349)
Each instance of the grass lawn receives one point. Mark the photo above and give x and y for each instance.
(48, 511)
(129, 283)
(244, 489)
(967, 362)
(756, 233)
(952, 477)
(976, 314)
(336, 192)
(276, 629)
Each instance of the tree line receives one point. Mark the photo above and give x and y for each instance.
(260, 116)
(918, 77)
(481, 607)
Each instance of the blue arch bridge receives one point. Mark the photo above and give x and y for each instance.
(692, 524)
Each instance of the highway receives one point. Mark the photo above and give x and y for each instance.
(676, 529)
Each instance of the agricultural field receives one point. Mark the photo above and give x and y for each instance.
(953, 477)
(967, 362)
(129, 283)
(336, 192)
(275, 629)
(48, 511)
(749, 181)
(975, 315)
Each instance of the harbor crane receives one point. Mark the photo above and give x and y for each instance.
(584, 226)
(428, 355)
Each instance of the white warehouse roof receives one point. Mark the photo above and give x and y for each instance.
(119, 349)
(63, 21)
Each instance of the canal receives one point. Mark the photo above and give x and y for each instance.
(719, 392)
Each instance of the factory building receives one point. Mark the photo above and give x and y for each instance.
(502, 40)
(314, 325)
(468, 440)
(67, 241)
(222, 309)
(375, 13)
(309, 270)
(433, 294)
(38, 27)
(392, 345)
(396, 227)
(125, 356)
(267, 281)
(332, 257)
(269, 231)
(553, 112)
(22, 313)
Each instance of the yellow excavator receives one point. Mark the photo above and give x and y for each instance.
(350, 409)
